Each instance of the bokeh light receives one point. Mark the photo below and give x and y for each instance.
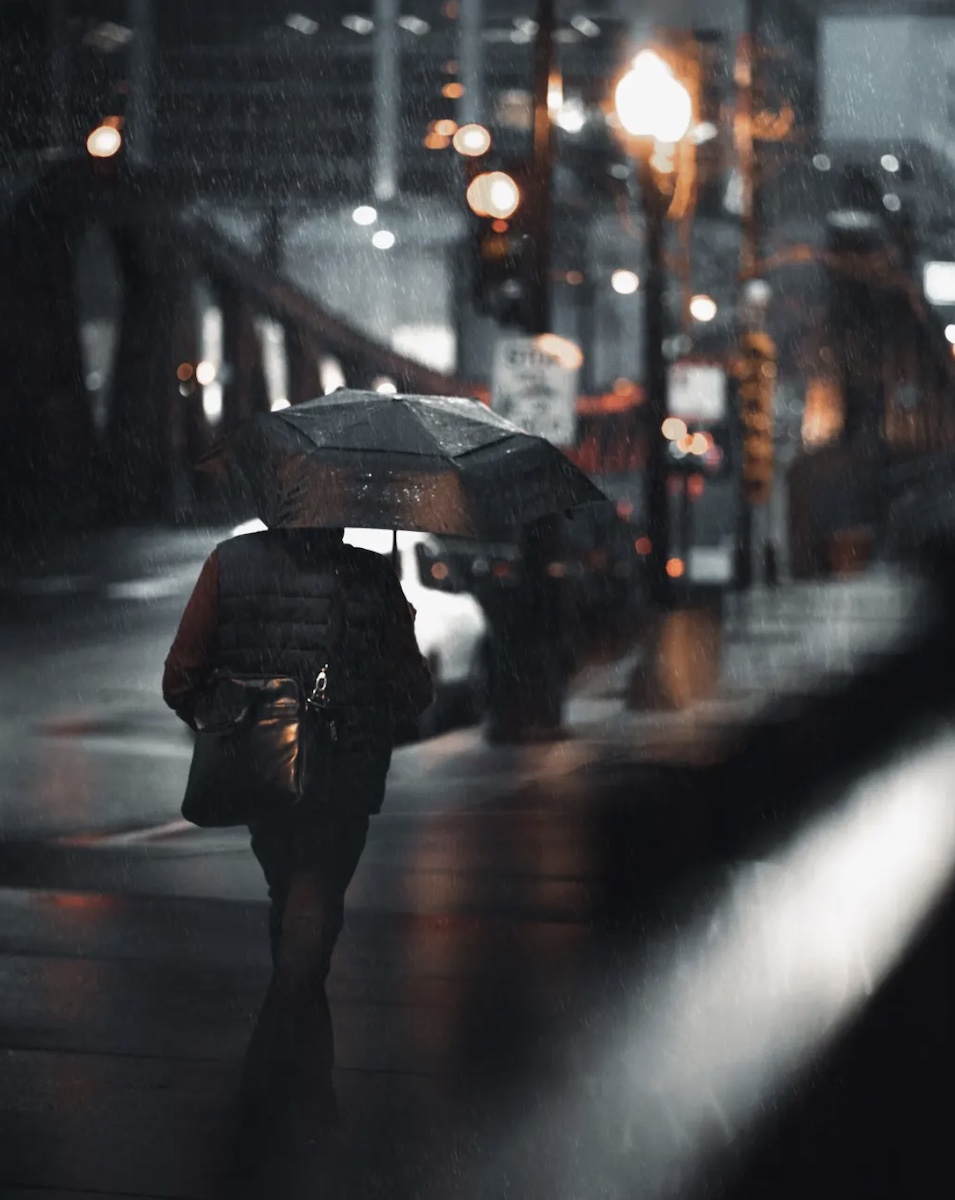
(472, 140)
(104, 141)
(624, 282)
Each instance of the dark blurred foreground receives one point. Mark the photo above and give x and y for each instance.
(705, 953)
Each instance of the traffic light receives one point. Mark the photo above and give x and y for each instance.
(497, 212)
(756, 379)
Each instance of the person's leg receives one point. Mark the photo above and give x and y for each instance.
(326, 852)
(266, 1072)
(273, 846)
(308, 864)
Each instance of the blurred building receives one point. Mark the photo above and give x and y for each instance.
(287, 198)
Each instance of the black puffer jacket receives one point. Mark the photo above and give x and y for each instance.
(275, 598)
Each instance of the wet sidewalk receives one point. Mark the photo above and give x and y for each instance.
(773, 647)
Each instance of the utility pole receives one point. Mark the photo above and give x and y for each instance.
(386, 97)
(757, 352)
(527, 670)
(540, 201)
(657, 468)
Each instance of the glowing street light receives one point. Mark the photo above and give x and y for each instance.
(104, 141)
(654, 111)
(364, 214)
(205, 372)
(625, 283)
(494, 194)
(673, 429)
(383, 239)
(703, 308)
(472, 141)
(651, 102)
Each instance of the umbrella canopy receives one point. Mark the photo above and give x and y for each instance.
(438, 464)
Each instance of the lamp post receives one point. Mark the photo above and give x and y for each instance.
(654, 111)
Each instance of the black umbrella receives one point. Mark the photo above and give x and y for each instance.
(438, 464)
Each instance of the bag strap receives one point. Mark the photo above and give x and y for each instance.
(336, 633)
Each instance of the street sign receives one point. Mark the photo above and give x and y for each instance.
(534, 384)
(697, 392)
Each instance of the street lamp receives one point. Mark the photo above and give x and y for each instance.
(651, 102)
(654, 110)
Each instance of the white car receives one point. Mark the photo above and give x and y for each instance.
(449, 622)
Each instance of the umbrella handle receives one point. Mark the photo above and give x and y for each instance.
(394, 552)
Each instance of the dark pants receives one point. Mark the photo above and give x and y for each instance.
(308, 861)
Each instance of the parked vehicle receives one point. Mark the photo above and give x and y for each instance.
(449, 622)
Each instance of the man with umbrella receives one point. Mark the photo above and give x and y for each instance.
(262, 606)
(266, 604)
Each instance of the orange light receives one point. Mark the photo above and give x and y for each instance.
(184, 371)
(556, 570)
(80, 900)
(574, 278)
(695, 485)
(624, 509)
(685, 443)
(675, 567)
(436, 141)
(567, 353)
(105, 140)
(500, 226)
(493, 194)
(453, 91)
(501, 570)
(446, 127)
(450, 9)
(451, 67)
(643, 545)
(472, 140)
(439, 570)
(673, 428)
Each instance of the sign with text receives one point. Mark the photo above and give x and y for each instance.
(697, 392)
(534, 384)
